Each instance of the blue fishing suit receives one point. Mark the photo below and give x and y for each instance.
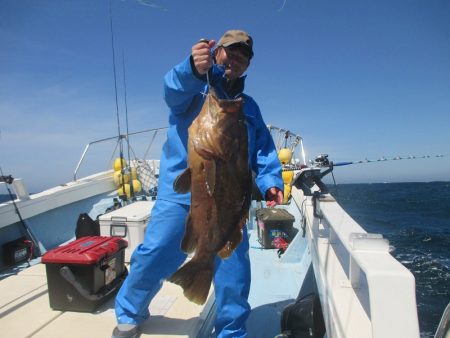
(159, 256)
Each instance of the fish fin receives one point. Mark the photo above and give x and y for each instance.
(182, 183)
(243, 220)
(209, 169)
(189, 241)
(232, 243)
(195, 278)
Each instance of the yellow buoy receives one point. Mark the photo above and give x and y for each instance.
(120, 178)
(127, 192)
(287, 193)
(285, 155)
(117, 165)
(137, 187)
(288, 175)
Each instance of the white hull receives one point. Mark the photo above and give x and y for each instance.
(57, 197)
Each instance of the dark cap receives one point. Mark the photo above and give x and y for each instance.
(237, 37)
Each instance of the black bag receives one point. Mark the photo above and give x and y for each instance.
(303, 319)
(17, 251)
(86, 226)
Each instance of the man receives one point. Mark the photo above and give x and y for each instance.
(160, 255)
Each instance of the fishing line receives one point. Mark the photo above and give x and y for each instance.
(282, 7)
(335, 185)
(208, 83)
(207, 80)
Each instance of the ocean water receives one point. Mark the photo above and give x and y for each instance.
(415, 218)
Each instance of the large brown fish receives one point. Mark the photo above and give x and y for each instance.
(219, 179)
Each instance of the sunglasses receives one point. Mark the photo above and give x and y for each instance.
(242, 49)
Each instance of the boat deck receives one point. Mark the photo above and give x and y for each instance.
(25, 312)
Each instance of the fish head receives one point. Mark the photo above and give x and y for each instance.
(220, 129)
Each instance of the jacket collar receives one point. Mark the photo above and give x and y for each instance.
(235, 89)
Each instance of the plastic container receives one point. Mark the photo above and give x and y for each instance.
(129, 223)
(274, 224)
(85, 273)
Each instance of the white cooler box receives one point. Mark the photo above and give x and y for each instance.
(129, 223)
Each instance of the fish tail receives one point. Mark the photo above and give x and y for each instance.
(195, 278)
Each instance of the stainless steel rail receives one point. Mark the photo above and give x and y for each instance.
(284, 138)
(118, 138)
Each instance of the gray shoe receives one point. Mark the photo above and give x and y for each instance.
(125, 331)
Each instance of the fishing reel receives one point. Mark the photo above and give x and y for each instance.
(309, 179)
(322, 161)
(6, 179)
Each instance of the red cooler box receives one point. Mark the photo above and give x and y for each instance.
(85, 273)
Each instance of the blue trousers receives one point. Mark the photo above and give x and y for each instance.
(160, 255)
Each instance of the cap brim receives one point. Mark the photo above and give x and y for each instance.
(241, 44)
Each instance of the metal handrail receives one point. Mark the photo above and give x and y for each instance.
(118, 138)
(294, 141)
(286, 136)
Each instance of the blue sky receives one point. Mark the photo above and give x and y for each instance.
(356, 79)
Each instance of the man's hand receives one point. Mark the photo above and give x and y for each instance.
(201, 54)
(274, 196)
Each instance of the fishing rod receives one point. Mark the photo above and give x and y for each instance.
(35, 248)
(384, 159)
(308, 176)
(126, 122)
(119, 140)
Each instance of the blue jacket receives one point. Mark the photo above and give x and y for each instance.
(183, 94)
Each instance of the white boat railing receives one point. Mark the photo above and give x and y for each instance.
(364, 291)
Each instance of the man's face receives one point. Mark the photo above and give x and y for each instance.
(236, 60)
